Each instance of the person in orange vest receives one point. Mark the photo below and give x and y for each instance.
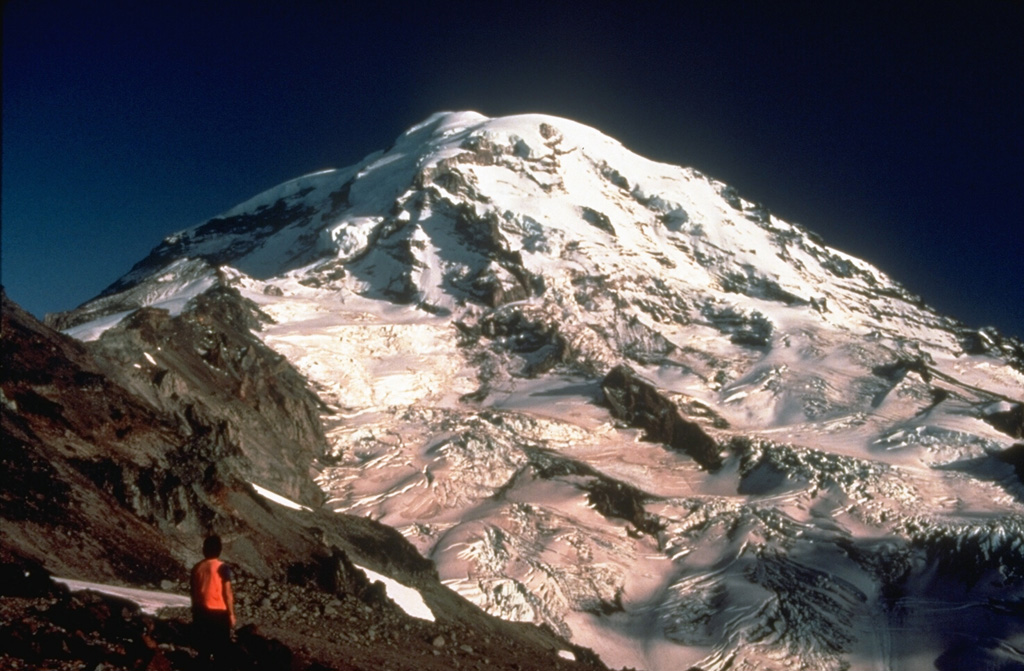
(213, 602)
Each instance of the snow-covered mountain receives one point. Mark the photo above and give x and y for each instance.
(613, 396)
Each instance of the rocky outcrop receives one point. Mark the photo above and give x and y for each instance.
(1014, 455)
(638, 402)
(118, 460)
(208, 369)
(991, 342)
(1009, 421)
(65, 422)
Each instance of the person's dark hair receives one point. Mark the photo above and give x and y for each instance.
(212, 547)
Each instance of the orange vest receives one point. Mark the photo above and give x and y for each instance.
(208, 585)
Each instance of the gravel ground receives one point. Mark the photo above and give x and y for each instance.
(281, 627)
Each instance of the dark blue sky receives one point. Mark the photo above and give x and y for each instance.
(895, 130)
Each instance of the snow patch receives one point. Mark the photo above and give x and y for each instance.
(149, 601)
(407, 598)
(92, 330)
(278, 499)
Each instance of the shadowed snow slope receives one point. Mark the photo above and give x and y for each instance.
(794, 463)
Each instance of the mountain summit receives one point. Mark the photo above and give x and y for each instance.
(612, 396)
